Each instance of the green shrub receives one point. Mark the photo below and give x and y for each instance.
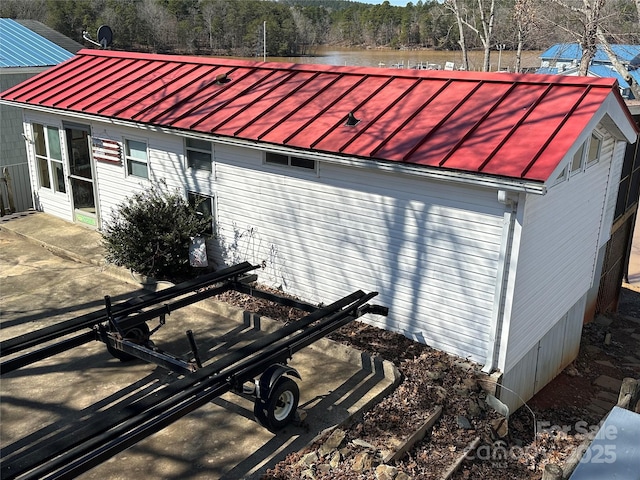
(150, 233)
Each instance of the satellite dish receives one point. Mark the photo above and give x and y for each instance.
(105, 36)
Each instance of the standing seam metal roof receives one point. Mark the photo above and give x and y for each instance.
(516, 126)
(22, 47)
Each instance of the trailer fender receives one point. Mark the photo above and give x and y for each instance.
(270, 377)
(277, 397)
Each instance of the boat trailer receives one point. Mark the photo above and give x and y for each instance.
(257, 370)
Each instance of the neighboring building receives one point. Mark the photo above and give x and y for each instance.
(27, 47)
(477, 204)
(564, 59)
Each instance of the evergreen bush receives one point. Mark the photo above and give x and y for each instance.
(150, 233)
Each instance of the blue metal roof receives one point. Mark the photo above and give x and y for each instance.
(547, 70)
(598, 70)
(609, 71)
(573, 51)
(21, 47)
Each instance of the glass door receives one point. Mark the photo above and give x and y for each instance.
(81, 175)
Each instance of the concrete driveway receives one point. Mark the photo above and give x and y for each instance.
(219, 440)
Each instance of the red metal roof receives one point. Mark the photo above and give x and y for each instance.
(516, 126)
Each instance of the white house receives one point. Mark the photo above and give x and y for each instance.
(477, 204)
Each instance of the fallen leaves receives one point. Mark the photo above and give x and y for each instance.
(431, 378)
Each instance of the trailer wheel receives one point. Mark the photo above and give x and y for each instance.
(139, 335)
(281, 406)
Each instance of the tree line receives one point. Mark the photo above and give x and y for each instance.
(298, 27)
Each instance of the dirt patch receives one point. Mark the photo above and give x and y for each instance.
(430, 378)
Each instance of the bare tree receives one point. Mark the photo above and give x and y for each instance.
(453, 6)
(524, 16)
(306, 36)
(593, 34)
(592, 10)
(487, 18)
(484, 32)
(25, 9)
(618, 65)
(589, 16)
(163, 29)
(209, 12)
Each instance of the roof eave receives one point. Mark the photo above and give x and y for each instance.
(439, 174)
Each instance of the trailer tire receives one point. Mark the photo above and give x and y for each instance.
(280, 408)
(139, 335)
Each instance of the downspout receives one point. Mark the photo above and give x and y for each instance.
(502, 306)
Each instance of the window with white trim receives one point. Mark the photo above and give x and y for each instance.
(595, 145)
(289, 161)
(205, 206)
(136, 158)
(562, 176)
(49, 157)
(578, 160)
(199, 154)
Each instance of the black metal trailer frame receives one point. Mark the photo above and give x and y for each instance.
(258, 370)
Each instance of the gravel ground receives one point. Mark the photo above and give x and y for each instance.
(432, 378)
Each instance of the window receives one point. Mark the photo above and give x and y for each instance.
(199, 154)
(594, 149)
(288, 161)
(136, 158)
(204, 206)
(49, 157)
(578, 160)
(561, 176)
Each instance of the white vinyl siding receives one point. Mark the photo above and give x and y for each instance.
(430, 249)
(561, 237)
(114, 188)
(165, 168)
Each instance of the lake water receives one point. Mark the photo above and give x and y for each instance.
(410, 58)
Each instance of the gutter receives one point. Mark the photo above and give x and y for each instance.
(439, 174)
(502, 300)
